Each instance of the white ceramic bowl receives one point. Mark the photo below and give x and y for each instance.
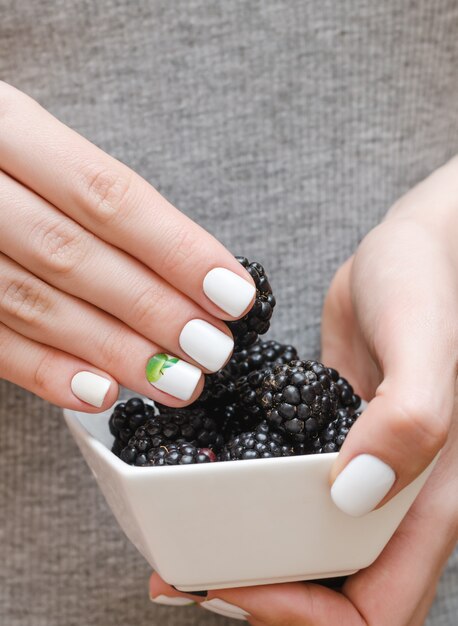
(236, 523)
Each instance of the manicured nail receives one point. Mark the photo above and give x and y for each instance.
(172, 601)
(362, 484)
(228, 290)
(224, 608)
(206, 344)
(172, 375)
(90, 387)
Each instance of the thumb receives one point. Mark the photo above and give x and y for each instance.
(404, 426)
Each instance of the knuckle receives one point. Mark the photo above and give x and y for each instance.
(43, 378)
(181, 252)
(60, 246)
(105, 193)
(26, 300)
(113, 349)
(423, 429)
(6, 344)
(145, 308)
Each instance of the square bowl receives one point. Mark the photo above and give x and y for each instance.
(237, 523)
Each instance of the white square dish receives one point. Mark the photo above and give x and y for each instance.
(237, 523)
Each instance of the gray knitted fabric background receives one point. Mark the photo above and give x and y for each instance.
(286, 128)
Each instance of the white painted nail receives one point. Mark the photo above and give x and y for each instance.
(172, 601)
(228, 290)
(362, 484)
(172, 375)
(90, 387)
(206, 344)
(224, 608)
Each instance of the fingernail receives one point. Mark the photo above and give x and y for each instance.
(206, 344)
(172, 375)
(171, 601)
(90, 387)
(228, 290)
(362, 484)
(224, 608)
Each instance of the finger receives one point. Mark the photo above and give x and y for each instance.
(54, 375)
(404, 577)
(341, 335)
(407, 422)
(295, 604)
(38, 311)
(292, 603)
(65, 255)
(421, 613)
(162, 593)
(117, 205)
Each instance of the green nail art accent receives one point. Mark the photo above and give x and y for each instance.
(171, 361)
(157, 364)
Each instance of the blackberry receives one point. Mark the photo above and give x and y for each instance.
(331, 439)
(303, 444)
(221, 396)
(233, 420)
(257, 320)
(239, 411)
(117, 446)
(348, 399)
(257, 407)
(192, 426)
(223, 388)
(259, 356)
(126, 418)
(232, 397)
(172, 454)
(218, 391)
(182, 454)
(247, 389)
(261, 443)
(217, 394)
(299, 397)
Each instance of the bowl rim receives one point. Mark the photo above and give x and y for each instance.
(72, 417)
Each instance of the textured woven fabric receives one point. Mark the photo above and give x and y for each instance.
(284, 127)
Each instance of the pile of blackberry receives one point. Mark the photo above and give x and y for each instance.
(257, 320)
(264, 403)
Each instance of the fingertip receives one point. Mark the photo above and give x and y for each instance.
(158, 588)
(207, 345)
(362, 485)
(155, 584)
(96, 390)
(232, 292)
(112, 396)
(179, 381)
(388, 447)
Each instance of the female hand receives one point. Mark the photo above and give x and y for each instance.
(390, 325)
(397, 590)
(101, 279)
